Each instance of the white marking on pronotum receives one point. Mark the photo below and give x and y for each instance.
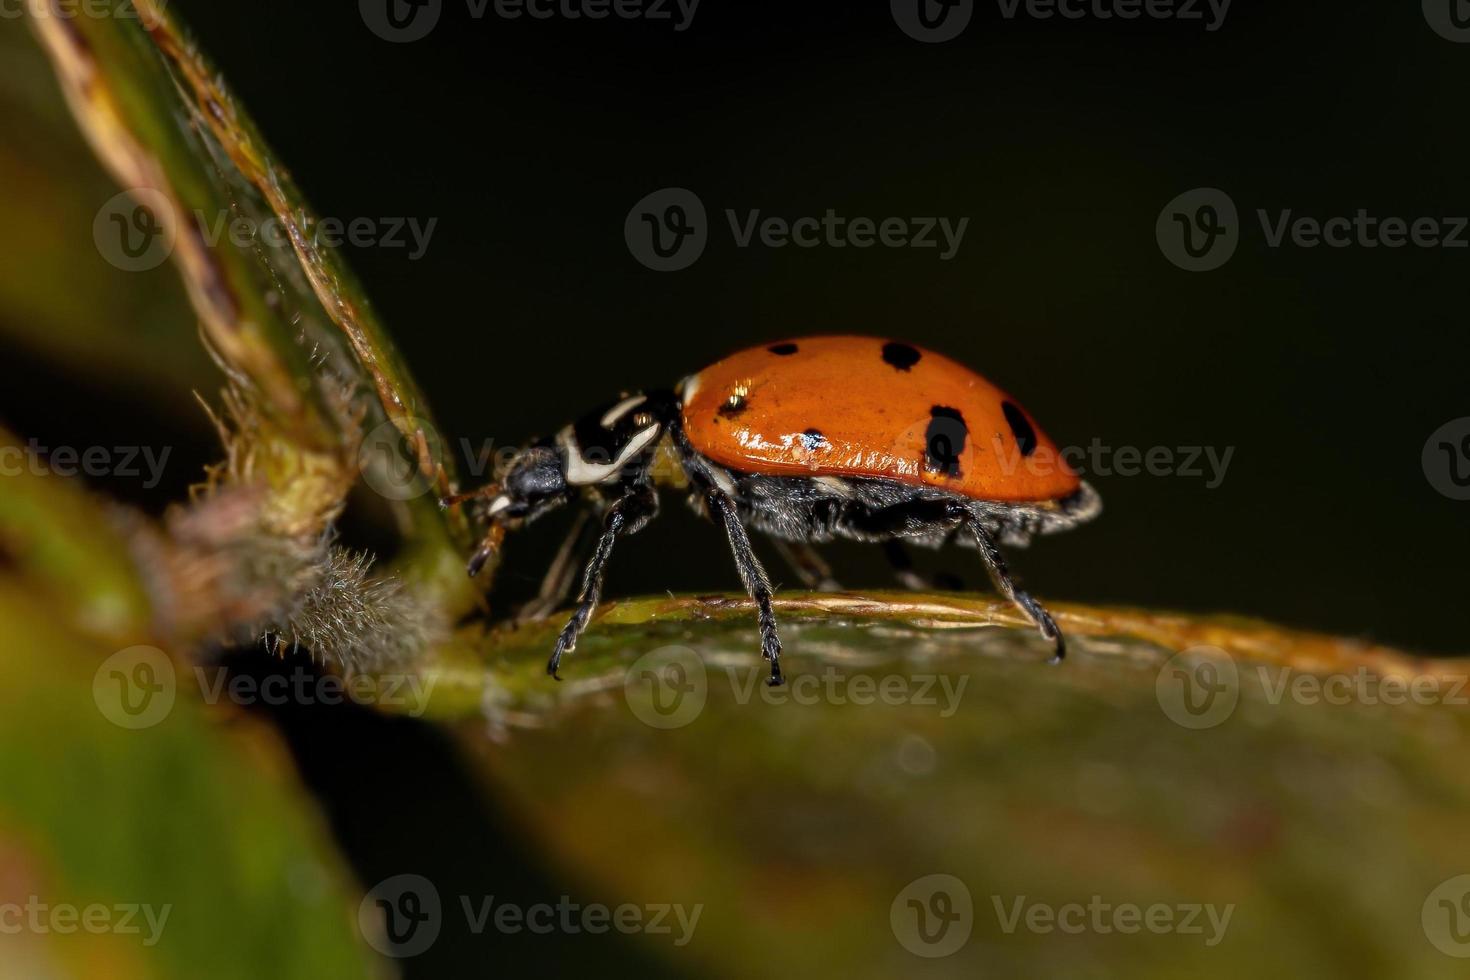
(687, 389)
(581, 473)
(614, 414)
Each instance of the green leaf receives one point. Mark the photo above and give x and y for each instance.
(132, 330)
(925, 735)
(185, 818)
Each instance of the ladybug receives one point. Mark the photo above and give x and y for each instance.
(804, 441)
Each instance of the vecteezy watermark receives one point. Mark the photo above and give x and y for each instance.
(63, 918)
(932, 916)
(566, 918)
(1450, 19)
(138, 230)
(935, 21)
(932, 21)
(1445, 916)
(1361, 686)
(88, 9)
(405, 693)
(830, 686)
(1207, 463)
(405, 21)
(1199, 230)
(1103, 917)
(1199, 687)
(1210, 13)
(1446, 459)
(126, 462)
(669, 688)
(407, 234)
(669, 229)
(402, 916)
(137, 688)
(390, 457)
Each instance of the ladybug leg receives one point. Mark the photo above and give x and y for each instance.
(626, 515)
(494, 535)
(754, 577)
(489, 545)
(557, 584)
(995, 563)
(810, 567)
(903, 566)
(903, 569)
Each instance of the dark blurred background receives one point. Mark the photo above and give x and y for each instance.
(1325, 370)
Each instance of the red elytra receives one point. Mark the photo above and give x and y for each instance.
(864, 407)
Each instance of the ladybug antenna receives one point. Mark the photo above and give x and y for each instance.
(490, 490)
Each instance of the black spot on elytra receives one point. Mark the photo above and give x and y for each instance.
(1020, 428)
(900, 356)
(783, 350)
(944, 440)
(812, 439)
(734, 406)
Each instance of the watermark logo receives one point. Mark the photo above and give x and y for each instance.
(1211, 13)
(833, 230)
(1446, 459)
(932, 21)
(401, 916)
(88, 9)
(389, 460)
(1096, 459)
(933, 916)
(1450, 19)
(1362, 687)
(404, 21)
(401, 21)
(571, 918)
(667, 230)
(64, 918)
(135, 688)
(1104, 918)
(831, 686)
(126, 462)
(1199, 230)
(679, 13)
(1446, 916)
(1199, 687)
(407, 694)
(667, 688)
(136, 230)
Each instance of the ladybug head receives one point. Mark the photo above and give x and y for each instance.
(535, 482)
